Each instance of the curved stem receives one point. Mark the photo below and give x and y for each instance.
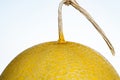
(87, 15)
(60, 25)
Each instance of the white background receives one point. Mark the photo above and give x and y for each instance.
(24, 23)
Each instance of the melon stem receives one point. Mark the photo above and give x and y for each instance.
(60, 24)
(87, 15)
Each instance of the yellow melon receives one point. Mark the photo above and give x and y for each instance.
(59, 61)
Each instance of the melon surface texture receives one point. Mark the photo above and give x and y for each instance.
(59, 61)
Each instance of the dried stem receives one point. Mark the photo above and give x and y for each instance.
(87, 15)
(60, 25)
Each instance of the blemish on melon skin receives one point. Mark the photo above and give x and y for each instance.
(62, 60)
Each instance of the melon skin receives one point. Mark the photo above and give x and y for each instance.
(59, 61)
